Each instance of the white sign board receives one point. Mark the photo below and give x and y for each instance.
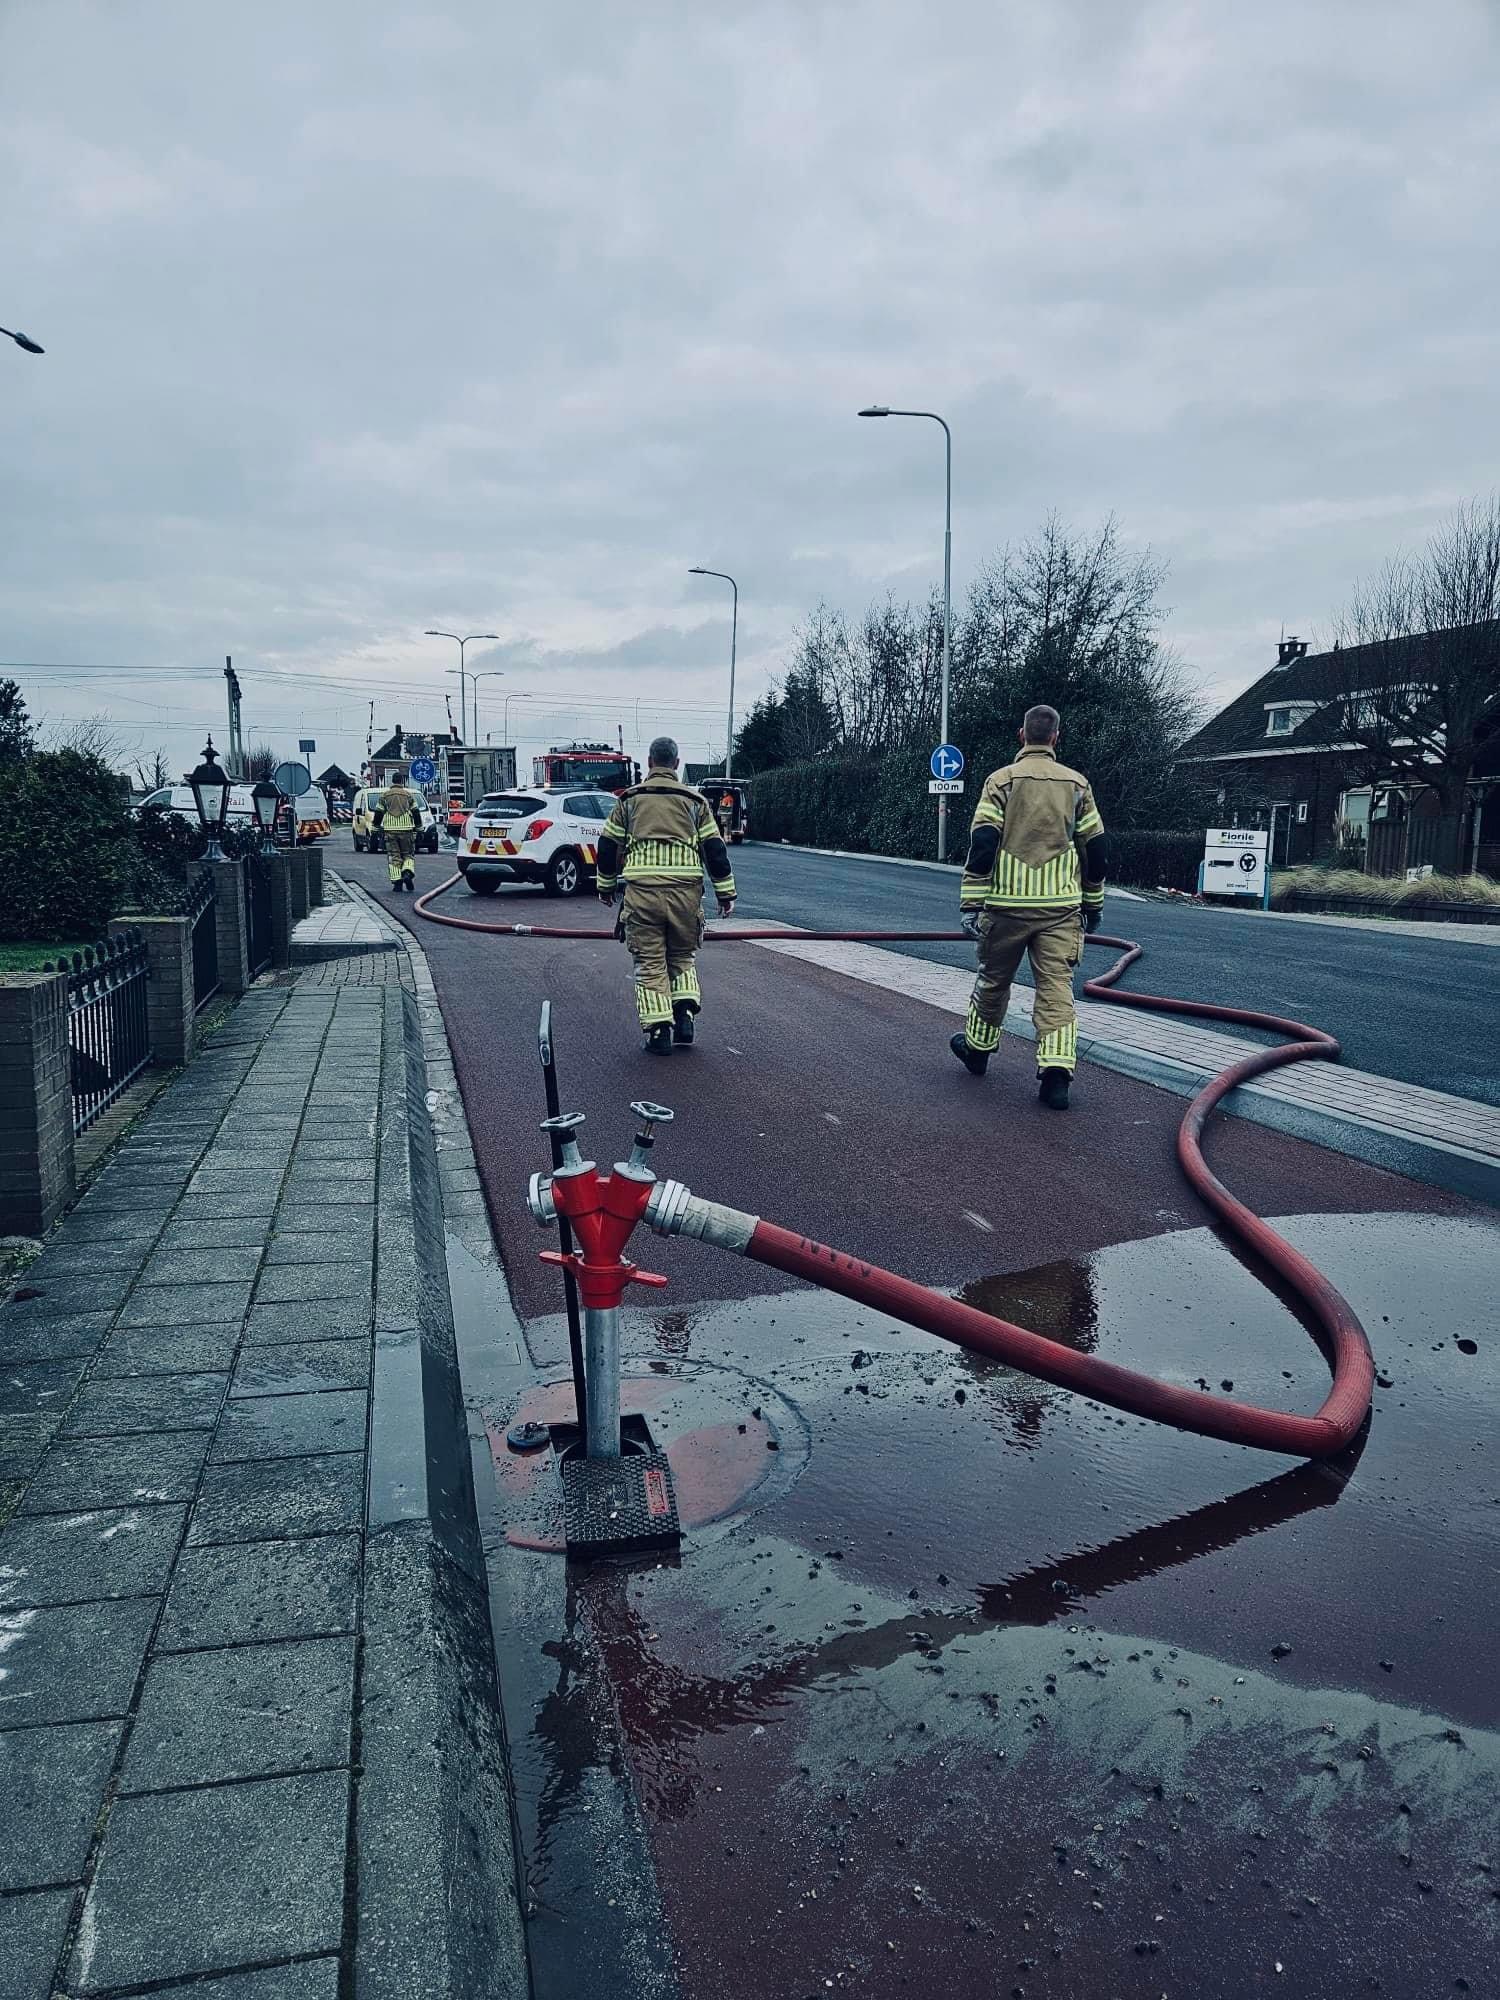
(947, 788)
(1234, 862)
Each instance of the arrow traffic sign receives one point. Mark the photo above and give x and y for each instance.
(947, 761)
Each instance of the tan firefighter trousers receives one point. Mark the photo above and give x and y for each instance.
(400, 854)
(1053, 940)
(663, 930)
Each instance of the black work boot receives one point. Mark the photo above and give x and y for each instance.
(659, 1039)
(408, 883)
(975, 1061)
(682, 1023)
(1052, 1088)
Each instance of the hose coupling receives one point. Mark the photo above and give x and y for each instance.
(539, 1201)
(674, 1210)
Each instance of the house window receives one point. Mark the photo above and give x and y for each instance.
(1279, 722)
(1302, 812)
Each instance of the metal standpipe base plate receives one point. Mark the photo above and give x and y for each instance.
(615, 1506)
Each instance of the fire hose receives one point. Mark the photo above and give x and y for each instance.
(604, 1209)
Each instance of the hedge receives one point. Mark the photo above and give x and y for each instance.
(1143, 859)
(882, 806)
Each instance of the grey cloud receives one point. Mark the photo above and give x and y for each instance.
(362, 319)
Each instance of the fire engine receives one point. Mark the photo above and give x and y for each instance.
(586, 764)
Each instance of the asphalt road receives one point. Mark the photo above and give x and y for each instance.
(977, 1686)
(1423, 1010)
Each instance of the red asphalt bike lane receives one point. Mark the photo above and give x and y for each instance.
(998, 1690)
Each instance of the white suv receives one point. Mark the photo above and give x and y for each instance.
(545, 833)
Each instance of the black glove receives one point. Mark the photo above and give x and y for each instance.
(1092, 919)
(726, 906)
(607, 897)
(968, 923)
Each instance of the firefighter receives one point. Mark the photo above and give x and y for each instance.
(398, 815)
(1033, 884)
(658, 841)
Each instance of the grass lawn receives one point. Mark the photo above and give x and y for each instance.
(32, 957)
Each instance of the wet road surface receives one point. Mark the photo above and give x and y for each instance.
(981, 1687)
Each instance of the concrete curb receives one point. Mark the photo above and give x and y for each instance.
(626, 1949)
(439, 1901)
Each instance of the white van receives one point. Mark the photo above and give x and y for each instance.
(179, 799)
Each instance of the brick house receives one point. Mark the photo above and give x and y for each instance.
(1284, 766)
(399, 748)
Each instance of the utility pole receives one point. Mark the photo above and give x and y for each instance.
(236, 741)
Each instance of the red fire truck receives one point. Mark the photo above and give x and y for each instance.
(591, 764)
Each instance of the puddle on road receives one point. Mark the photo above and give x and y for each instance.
(1018, 1693)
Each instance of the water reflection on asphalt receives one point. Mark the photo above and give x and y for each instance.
(1011, 1693)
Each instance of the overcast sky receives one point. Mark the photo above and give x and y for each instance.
(362, 318)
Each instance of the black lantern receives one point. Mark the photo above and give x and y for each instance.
(266, 799)
(211, 796)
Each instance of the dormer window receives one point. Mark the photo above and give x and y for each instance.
(1283, 717)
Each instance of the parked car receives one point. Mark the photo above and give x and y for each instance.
(547, 834)
(368, 838)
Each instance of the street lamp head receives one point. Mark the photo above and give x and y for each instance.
(876, 410)
(697, 570)
(25, 341)
(266, 799)
(210, 788)
(483, 635)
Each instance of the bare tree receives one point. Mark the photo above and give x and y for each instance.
(94, 736)
(1415, 675)
(153, 777)
(260, 761)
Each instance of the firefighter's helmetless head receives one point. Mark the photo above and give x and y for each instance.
(663, 754)
(1040, 724)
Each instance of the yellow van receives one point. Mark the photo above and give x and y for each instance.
(367, 836)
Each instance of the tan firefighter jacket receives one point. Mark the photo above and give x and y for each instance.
(1037, 840)
(663, 831)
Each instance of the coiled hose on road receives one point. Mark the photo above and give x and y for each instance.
(1338, 1330)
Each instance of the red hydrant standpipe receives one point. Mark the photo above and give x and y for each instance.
(602, 1210)
(672, 1210)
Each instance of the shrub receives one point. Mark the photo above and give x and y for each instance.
(1380, 892)
(66, 847)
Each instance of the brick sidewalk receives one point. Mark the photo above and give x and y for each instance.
(186, 1572)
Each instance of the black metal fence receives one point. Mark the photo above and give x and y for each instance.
(200, 908)
(257, 912)
(107, 1032)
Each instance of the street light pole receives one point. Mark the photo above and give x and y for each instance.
(734, 638)
(461, 643)
(879, 410)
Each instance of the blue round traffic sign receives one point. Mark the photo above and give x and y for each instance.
(946, 761)
(423, 770)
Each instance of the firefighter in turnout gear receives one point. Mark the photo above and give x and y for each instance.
(1033, 884)
(657, 842)
(399, 818)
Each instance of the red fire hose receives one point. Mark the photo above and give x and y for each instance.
(1336, 1326)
